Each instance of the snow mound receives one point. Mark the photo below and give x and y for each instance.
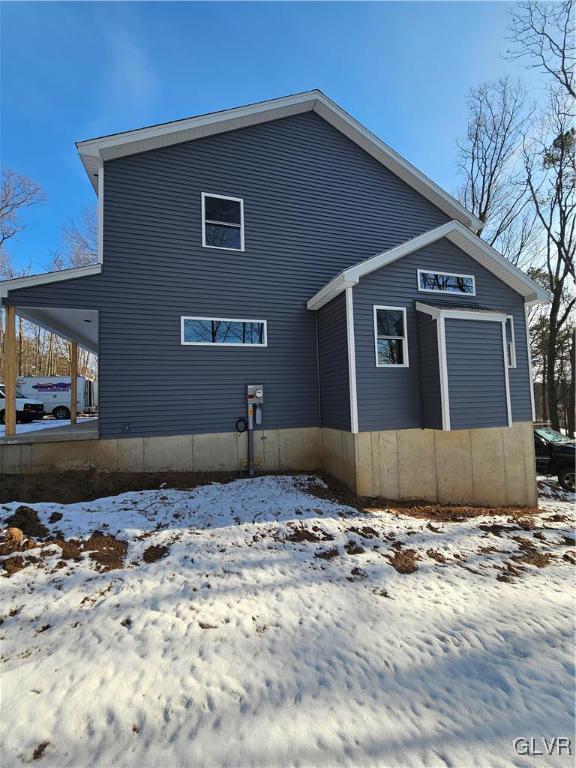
(264, 623)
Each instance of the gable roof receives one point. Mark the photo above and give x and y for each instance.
(94, 152)
(467, 241)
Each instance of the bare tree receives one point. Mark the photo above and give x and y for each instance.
(543, 33)
(493, 188)
(16, 193)
(549, 161)
(79, 243)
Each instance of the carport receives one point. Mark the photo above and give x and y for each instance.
(79, 326)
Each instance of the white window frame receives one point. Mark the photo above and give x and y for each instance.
(446, 274)
(511, 345)
(221, 343)
(406, 363)
(222, 223)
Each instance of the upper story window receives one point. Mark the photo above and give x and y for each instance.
(223, 332)
(510, 342)
(390, 336)
(222, 222)
(446, 282)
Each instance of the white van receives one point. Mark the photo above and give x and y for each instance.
(27, 409)
(54, 393)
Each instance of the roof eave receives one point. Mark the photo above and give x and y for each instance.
(95, 151)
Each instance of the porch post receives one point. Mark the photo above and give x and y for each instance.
(73, 381)
(10, 370)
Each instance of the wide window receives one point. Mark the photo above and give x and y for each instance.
(390, 336)
(510, 342)
(446, 282)
(223, 332)
(222, 222)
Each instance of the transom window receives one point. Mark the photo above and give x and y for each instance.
(446, 282)
(223, 332)
(390, 336)
(222, 222)
(510, 342)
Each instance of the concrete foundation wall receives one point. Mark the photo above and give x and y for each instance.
(276, 449)
(492, 467)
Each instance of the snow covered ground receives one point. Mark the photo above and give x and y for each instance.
(36, 426)
(281, 628)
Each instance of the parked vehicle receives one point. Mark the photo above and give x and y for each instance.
(555, 455)
(54, 393)
(27, 409)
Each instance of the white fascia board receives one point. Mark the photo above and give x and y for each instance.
(458, 234)
(461, 314)
(49, 277)
(330, 291)
(355, 131)
(117, 145)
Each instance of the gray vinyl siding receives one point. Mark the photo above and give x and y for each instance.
(389, 398)
(333, 365)
(314, 203)
(427, 340)
(476, 374)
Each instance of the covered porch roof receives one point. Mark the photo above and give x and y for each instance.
(71, 323)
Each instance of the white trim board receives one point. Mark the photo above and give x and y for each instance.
(351, 361)
(48, 277)
(94, 151)
(458, 234)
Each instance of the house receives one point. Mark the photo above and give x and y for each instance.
(282, 243)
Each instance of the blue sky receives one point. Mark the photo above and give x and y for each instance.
(72, 71)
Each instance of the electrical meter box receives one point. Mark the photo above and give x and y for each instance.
(255, 394)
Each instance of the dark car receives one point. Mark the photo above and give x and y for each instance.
(555, 455)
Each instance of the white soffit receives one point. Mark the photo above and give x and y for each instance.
(454, 231)
(94, 151)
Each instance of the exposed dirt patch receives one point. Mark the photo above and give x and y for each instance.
(570, 557)
(497, 530)
(404, 560)
(55, 517)
(381, 593)
(357, 574)
(40, 749)
(155, 552)
(366, 532)
(106, 551)
(302, 533)
(335, 491)
(433, 554)
(354, 549)
(327, 554)
(556, 518)
(539, 559)
(443, 513)
(507, 573)
(71, 487)
(26, 519)
(16, 563)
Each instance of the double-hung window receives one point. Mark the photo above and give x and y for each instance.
(222, 222)
(223, 332)
(390, 336)
(446, 282)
